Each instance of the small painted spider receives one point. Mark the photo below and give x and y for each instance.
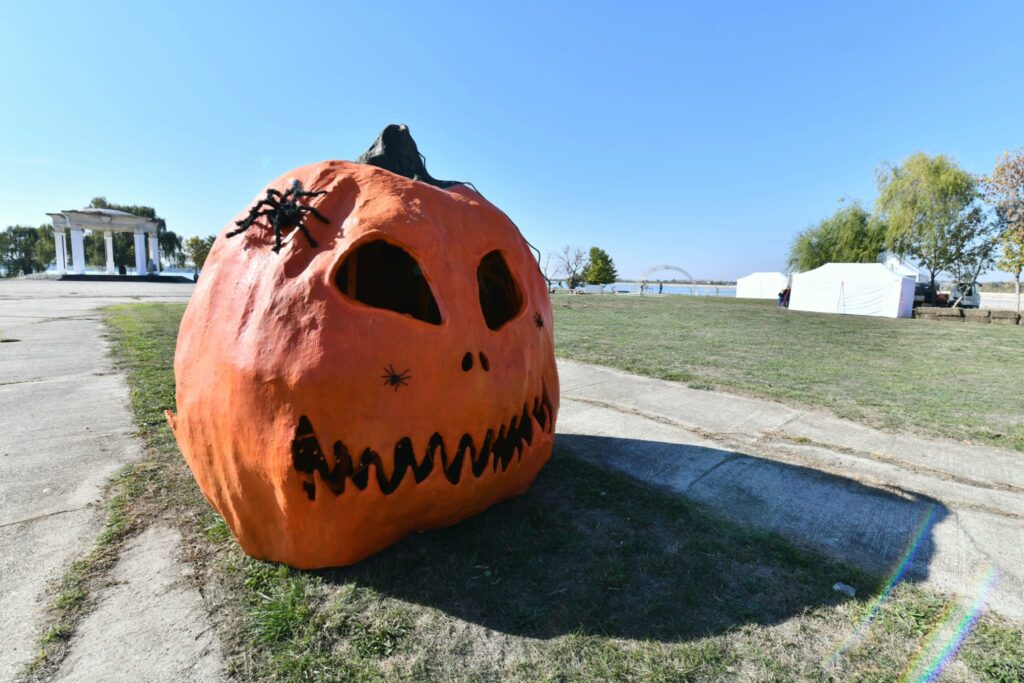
(394, 378)
(283, 212)
(538, 320)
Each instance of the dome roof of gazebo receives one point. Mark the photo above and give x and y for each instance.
(100, 212)
(102, 219)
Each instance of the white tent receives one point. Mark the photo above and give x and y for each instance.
(760, 286)
(901, 267)
(855, 288)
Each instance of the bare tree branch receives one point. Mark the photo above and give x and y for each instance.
(571, 261)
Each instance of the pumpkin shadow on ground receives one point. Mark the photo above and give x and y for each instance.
(589, 550)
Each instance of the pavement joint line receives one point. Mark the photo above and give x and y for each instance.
(724, 461)
(977, 546)
(131, 297)
(789, 457)
(977, 507)
(569, 391)
(719, 437)
(77, 316)
(891, 460)
(36, 518)
(64, 319)
(619, 408)
(62, 378)
(664, 470)
(789, 420)
(888, 485)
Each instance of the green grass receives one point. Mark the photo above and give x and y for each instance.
(591, 576)
(948, 379)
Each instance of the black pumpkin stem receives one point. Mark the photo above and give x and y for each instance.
(394, 150)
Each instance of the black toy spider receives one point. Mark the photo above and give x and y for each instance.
(394, 378)
(538, 320)
(284, 212)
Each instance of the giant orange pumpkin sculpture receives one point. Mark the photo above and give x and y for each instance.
(367, 353)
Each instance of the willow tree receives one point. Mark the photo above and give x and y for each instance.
(1004, 190)
(850, 235)
(124, 247)
(929, 205)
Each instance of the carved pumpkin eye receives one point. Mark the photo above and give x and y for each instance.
(382, 275)
(500, 298)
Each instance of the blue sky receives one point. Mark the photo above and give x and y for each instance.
(698, 134)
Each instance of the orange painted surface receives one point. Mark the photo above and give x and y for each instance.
(269, 338)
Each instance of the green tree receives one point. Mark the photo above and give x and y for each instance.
(600, 269)
(973, 243)
(124, 245)
(18, 251)
(927, 203)
(46, 252)
(96, 252)
(1011, 260)
(196, 250)
(850, 235)
(1004, 191)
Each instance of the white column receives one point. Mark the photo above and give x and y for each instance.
(140, 252)
(154, 250)
(78, 251)
(58, 243)
(108, 249)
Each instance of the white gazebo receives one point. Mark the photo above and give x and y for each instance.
(108, 221)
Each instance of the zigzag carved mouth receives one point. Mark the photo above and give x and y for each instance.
(497, 449)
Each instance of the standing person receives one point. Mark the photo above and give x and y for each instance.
(661, 286)
(786, 291)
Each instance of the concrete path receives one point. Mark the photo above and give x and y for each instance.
(945, 512)
(64, 430)
(149, 607)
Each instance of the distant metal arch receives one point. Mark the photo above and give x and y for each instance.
(643, 275)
